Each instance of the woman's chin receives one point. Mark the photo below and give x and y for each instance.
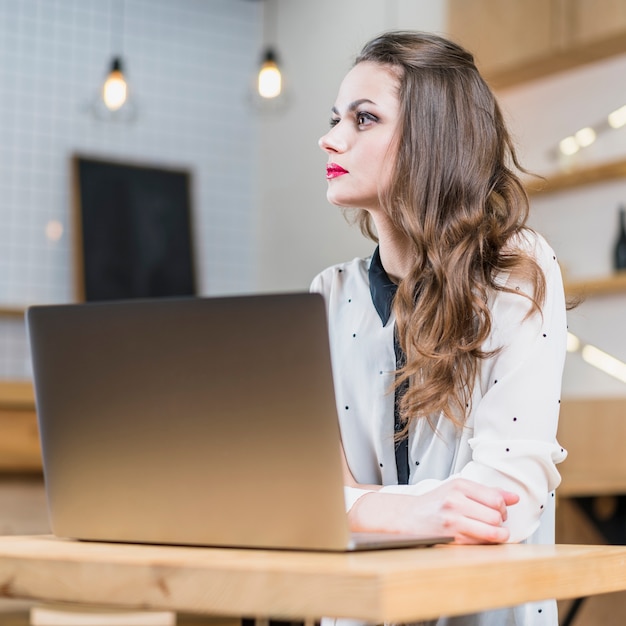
(338, 200)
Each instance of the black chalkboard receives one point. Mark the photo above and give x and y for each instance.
(133, 229)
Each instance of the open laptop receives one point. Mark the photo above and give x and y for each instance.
(193, 421)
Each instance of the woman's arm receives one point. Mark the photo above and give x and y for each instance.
(466, 510)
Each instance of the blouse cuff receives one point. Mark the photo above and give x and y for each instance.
(352, 494)
(423, 486)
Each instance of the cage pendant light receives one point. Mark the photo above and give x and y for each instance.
(113, 101)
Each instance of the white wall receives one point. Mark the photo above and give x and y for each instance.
(189, 66)
(300, 233)
(580, 223)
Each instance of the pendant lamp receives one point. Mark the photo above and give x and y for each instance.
(114, 100)
(270, 80)
(115, 89)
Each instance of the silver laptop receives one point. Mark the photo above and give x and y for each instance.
(193, 421)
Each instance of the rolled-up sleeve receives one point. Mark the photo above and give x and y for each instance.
(516, 406)
(514, 443)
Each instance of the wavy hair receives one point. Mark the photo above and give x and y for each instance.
(456, 198)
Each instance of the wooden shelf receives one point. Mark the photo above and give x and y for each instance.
(17, 394)
(19, 434)
(578, 177)
(18, 312)
(608, 285)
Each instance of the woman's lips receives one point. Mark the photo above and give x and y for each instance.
(333, 170)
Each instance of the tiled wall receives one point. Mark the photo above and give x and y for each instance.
(189, 64)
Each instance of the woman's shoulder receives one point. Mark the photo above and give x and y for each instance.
(341, 275)
(534, 244)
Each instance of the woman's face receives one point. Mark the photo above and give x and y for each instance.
(362, 141)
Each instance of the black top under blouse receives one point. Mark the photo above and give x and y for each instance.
(383, 290)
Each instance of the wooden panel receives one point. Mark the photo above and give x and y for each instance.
(593, 20)
(502, 34)
(521, 40)
(593, 431)
(558, 61)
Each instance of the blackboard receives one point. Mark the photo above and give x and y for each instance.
(133, 226)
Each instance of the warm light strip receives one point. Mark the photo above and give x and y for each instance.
(605, 362)
(617, 118)
(586, 136)
(597, 358)
(573, 343)
(569, 146)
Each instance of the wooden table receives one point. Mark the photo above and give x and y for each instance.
(394, 585)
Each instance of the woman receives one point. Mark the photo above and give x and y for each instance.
(448, 343)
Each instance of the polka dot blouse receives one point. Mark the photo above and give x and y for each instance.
(509, 439)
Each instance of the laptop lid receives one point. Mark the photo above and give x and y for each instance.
(193, 421)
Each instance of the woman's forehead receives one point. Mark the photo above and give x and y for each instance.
(371, 81)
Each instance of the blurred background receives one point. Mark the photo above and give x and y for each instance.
(258, 218)
(254, 177)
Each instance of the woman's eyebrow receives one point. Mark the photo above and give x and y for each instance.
(354, 105)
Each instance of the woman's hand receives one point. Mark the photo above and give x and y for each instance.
(460, 508)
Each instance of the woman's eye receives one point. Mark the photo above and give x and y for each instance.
(333, 121)
(363, 118)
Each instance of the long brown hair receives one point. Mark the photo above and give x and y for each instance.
(455, 196)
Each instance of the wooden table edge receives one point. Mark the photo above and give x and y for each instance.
(399, 585)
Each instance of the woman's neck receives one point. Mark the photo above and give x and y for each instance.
(396, 254)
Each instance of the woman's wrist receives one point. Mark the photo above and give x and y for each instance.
(378, 512)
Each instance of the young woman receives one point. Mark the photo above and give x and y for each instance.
(448, 343)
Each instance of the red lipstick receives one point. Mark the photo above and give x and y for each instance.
(333, 171)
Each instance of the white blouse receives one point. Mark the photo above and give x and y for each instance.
(509, 438)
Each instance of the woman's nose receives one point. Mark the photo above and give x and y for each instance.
(332, 141)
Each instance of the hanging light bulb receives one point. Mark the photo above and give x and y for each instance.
(115, 89)
(113, 101)
(269, 82)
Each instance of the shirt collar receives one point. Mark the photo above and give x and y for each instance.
(382, 289)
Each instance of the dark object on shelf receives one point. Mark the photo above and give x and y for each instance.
(619, 259)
